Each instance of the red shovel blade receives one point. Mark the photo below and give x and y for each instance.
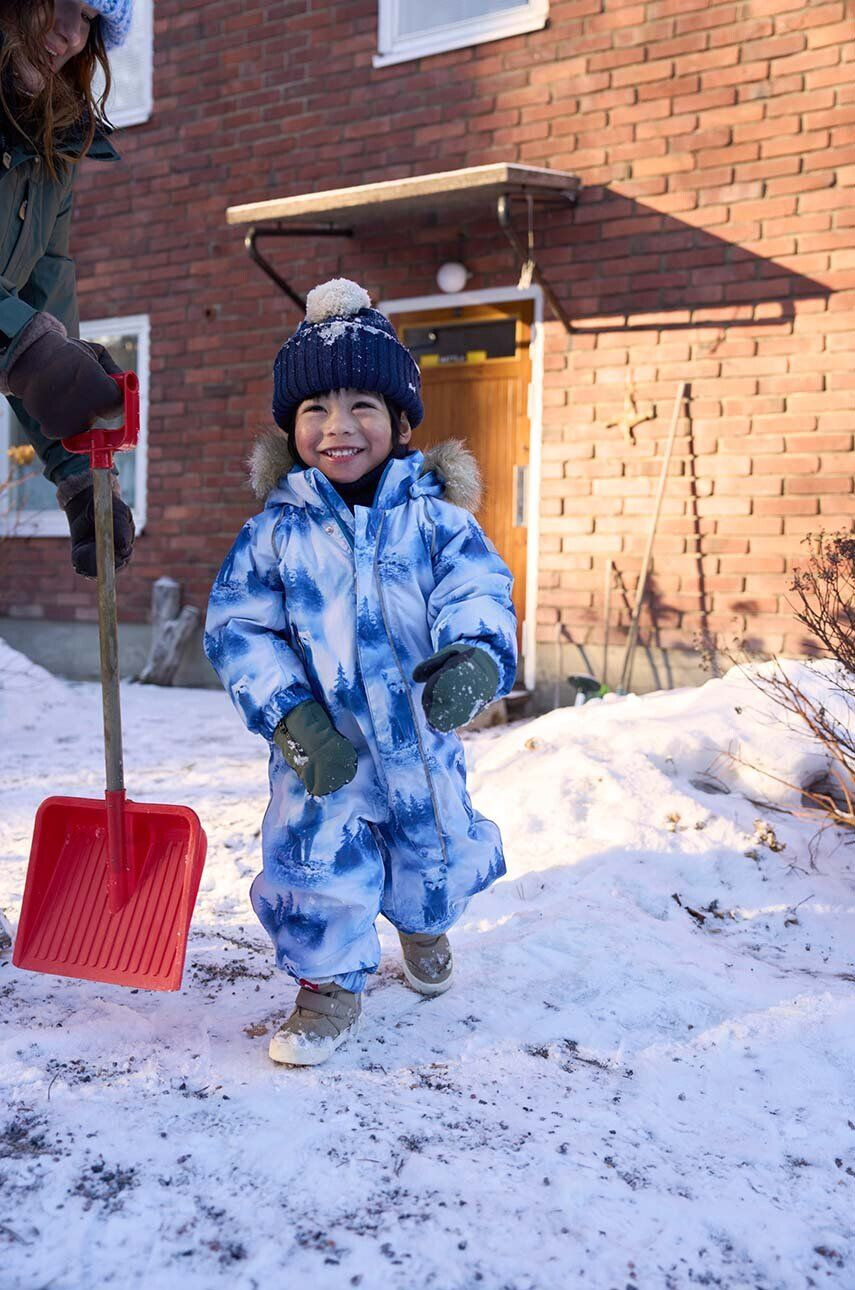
(67, 926)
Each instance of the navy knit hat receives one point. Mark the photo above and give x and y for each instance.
(115, 20)
(344, 344)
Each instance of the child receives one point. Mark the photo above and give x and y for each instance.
(356, 622)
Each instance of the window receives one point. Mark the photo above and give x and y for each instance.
(27, 499)
(475, 342)
(130, 101)
(412, 29)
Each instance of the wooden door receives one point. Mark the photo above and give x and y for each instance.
(476, 373)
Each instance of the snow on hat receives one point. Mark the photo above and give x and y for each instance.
(115, 20)
(344, 344)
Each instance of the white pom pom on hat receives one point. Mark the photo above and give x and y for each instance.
(338, 298)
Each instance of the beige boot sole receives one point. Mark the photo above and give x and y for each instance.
(296, 1050)
(426, 988)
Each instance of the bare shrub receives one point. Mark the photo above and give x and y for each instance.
(824, 602)
(834, 792)
(824, 588)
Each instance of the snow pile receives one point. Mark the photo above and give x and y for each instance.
(641, 1078)
(729, 733)
(21, 677)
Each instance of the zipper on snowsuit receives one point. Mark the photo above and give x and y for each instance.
(381, 597)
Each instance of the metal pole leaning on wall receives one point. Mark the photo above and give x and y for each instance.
(607, 618)
(632, 639)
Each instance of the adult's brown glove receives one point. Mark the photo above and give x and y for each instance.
(76, 497)
(64, 384)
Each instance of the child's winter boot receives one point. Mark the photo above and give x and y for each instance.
(427, 961)
(324, 1017)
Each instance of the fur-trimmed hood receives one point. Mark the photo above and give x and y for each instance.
(450, 462)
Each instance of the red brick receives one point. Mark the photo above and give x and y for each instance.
(813, 141)
(829, 76)
(811, 61)
(730, 76)
(813, 15)
(640, 73)
(843, 508)
(752, 564)
(714, 506)
(779, 47)
(705, 16)
(740, 32)
(786, 506)
(665, 165)
(755, 485)
(833, 486)
(834, 34)
(726, 546)
(761, 525)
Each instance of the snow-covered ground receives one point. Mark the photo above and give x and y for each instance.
(644, 1076)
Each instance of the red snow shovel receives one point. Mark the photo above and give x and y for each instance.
(111, 884)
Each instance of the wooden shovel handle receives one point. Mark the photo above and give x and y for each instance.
(108, 630)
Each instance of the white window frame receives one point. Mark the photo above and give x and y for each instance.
(137, 113)
(52, 523)
(394, 48)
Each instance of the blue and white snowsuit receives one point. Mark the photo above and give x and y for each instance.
(314, 602)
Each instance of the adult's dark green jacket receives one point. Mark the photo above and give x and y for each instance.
(37, 273)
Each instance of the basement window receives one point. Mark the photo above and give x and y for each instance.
(27, 500)
(411, 29)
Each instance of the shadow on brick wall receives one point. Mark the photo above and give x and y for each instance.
(613, 256)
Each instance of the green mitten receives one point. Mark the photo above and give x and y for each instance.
(459, 681)
(313, 748)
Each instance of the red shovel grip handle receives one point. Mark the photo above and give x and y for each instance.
(103, 439)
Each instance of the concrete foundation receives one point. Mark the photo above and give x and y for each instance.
(653, 669)
(70, 649)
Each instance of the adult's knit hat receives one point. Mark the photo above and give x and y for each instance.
(116, 18)
(344, 344)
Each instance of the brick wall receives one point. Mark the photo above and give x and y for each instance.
(718, 145)
(714, 242)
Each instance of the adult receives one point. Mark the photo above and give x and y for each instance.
(50, 52)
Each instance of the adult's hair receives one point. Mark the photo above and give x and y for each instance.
(60, 119)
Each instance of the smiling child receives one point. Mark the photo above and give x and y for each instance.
(357, 622)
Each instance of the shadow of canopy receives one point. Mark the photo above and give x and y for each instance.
(651, 263)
